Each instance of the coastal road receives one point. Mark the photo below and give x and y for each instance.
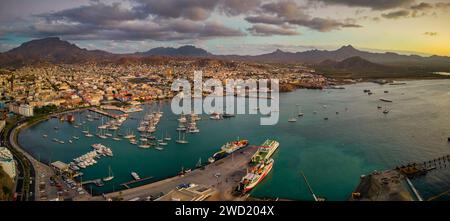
(223, 175)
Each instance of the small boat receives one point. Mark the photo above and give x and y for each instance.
(182, 139)
(89, 135)
(75, 137)
(45, 135)
(110, 175)
(227, 115)
(167, 137)
(385, 100)
(300, 113)
(70, 141)
(159, 148)
(135, 176)
(293, 119)
(326, 118)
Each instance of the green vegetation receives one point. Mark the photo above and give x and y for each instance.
(6, 186)
(45, 109)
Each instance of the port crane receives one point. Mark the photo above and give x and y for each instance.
(316, 198)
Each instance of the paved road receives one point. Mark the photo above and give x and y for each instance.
(231, 170)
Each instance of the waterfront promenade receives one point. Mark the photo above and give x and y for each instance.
(223, 175)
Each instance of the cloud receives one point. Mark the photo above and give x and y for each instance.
(396, 14)
(432, 34)
(95, 13)
(373, 4)
(422, 6)
(268, 30)
(273, 20)
(289, 12)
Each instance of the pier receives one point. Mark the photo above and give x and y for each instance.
(126, 185)
(395, 184)
(418, 169)
(115, 116)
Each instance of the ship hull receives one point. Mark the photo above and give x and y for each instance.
(252, 185)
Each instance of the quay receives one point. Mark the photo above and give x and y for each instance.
(223, 176)
(126, 184)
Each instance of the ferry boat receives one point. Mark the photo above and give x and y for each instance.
(255, 175)
(135, 176)
(227, 149)
(265, 151)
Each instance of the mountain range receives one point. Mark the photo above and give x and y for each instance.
(55, 50)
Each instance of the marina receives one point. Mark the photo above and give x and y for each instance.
(333, 153)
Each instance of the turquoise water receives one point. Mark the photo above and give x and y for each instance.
(332, 154)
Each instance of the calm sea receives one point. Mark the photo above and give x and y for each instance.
(332, 153)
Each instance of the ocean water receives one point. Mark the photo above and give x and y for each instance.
(332, 153)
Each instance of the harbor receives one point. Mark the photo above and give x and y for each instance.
(358, 140)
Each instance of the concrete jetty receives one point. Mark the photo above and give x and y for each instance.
(223, 176)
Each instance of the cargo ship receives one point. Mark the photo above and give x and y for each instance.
(255, 176)
(265, 151)
(227, 149)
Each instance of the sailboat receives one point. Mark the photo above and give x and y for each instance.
(162, 142)
(88, 134)
(116, 137)
(167, 137)
(385, 111)
(144, 144)
(158, 147)
(199, 163)
(300, 113)
(182, 139)
(110, 175)
(292, 118)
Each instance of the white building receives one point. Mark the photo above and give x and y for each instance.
(23, 109)
(7, 162)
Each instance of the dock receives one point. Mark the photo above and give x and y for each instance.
(115, 116)
(126, 184)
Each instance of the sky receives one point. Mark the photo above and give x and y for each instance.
(245, 27)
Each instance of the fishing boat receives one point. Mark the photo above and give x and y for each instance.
(182, 138)
(110, 175)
